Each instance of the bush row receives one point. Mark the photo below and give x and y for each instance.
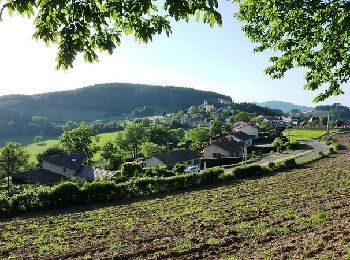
(212, 162)
(70, 193)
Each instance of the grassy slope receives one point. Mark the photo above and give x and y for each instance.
(296, 214)
(307, 133)
(34, 149)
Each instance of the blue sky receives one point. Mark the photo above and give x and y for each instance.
(195, 55)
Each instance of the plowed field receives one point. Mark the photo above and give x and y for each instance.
(298, 214)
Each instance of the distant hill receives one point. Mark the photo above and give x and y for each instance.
(104, 99)
(286, 107)
(46, 114)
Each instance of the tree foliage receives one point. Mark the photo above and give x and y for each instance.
(135, 134)
(90, 26)
(148, 149)
(80, 140)
(51, 151)
(13, 158)
(303, 34)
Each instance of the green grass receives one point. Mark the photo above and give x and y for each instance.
(34, 149)
(307, 133)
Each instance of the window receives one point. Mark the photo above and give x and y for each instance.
(64, 169)
(189, 162)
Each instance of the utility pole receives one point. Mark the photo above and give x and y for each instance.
(245, 155)
(327, 124)
(168, 152)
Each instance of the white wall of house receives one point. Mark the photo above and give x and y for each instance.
(69, 173)
(249, 130)
(152, 161)
(210, 150)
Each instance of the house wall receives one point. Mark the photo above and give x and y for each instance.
(69, 173)
(209, 151)
(191, 162)
(153, 161)
(249, 130)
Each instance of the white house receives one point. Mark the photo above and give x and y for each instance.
(61, 167)
(223, 148)
(186, 157)
(248, 129)
(241, 137)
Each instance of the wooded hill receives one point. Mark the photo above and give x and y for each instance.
(113, 98)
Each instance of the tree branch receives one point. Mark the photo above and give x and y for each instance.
(2, 9)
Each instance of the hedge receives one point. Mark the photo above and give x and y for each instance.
(70, 193)
(212, 162)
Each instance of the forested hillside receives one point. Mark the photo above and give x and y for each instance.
(44, 113)
(116, 98)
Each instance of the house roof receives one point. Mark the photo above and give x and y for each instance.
(176, 156)
(91, 174)
(242, 136)
(239, 123)
(71, 161)
(243, 125)
(39, 176)
(229, 146)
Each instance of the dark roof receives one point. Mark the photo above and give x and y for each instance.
(71, 161)
(40, 176)
(230, 146)
(173, 157)
(242, 136)
(90, 173)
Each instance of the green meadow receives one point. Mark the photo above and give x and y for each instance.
(33, 149)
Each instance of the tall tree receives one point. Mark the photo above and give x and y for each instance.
(135, 134)
(82, 139)
(90, 26)
(303, 34)
(216, 126)
(112, 152)
(13, 158)
(148, 149)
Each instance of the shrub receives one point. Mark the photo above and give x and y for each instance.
(131, 169)
(27, 201)
(5, 207)
(157, 171)
(65, 194)
(99, 191)
(285, 165)
(179, 168)
(249, 171)
(212, 162)
(272, 165)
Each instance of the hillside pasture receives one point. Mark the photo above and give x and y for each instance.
(307, 133)
(296, 214)
(34, 149)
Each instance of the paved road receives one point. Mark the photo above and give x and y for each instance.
(309, 145)
(318, 147)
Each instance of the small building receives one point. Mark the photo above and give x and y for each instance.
(276, 121)
(186, 157)
(241, 137)
(57, 168)
(247, 128)
(223, 148)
